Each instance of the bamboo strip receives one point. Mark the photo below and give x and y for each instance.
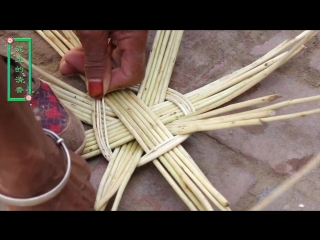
(63, 39)
(145, 135)
(288, 183)
(56, 41)
(69, 37)
(59, 51)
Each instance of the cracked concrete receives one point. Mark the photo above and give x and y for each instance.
(245, 164)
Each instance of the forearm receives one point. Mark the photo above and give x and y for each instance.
(27, 155)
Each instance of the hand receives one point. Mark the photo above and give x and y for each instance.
(107, 66)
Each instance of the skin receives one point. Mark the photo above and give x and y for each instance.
(31, 163)
(107, 66)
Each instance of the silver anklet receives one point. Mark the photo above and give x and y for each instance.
(29, 202)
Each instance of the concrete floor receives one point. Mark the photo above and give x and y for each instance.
(244, 163)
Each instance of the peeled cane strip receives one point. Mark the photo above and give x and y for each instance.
(149, 64)
(96, 117)
(159, 69)
(286, 56)
(260, 121)
(228, 94)
(148, 141)
(232, 80)
(102, 130)
(105, 136)
(251, 112)
(230, 108)
(63, 39)
(234, 91)
(120, 162)
(127, 176)
(59, 51)
(120, 173)
(155, 61)
(287, 184)
(172, 156)
(56, 41)
(223, 119)
(106, 174)
(167, 77)
(289, 103)
(147, 97)
(159, 80)
(69, 37)
(75, 37)
(271, 54)
(154, 57)
(165, 133)
(123, 153)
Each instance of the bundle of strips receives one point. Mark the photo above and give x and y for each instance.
(148, 122)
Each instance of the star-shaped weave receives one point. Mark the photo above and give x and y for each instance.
(150, 126)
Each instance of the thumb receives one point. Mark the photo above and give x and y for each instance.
(97, 60)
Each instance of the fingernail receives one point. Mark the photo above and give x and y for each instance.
(95, 88)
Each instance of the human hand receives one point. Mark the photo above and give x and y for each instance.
(107, 66)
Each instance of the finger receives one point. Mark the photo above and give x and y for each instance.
(72, 62)
(112, 50)
(120, 80)
(97, 60)
(116, 57)
(67, 69)
(76, 60)
(132, 45)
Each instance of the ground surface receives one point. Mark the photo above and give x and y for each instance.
(244, 163)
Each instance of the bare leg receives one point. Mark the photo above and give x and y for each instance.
(31, 163)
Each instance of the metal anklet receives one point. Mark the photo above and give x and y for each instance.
(29, 202)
